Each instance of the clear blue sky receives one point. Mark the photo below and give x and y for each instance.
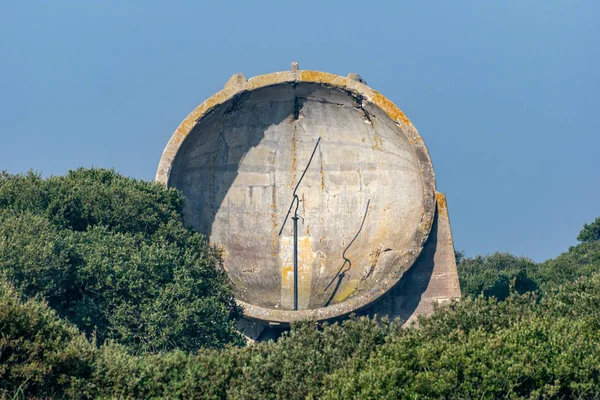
(506, 94)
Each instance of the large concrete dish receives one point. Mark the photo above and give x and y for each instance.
(368, 198)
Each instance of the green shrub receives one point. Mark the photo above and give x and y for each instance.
(37, 256)
(526, 346)
(522, 347)
(154, 291)
(590, 232)
(295, 366)
(578, 261)
(41, 355)
(206, 375)
(495, 274)
(292, 368)
(112, 255)
(94, 196)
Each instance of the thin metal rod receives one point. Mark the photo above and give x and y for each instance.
(298, 184)
(295, 218)
(307, 165)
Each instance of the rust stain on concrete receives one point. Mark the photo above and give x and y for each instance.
(294, 159)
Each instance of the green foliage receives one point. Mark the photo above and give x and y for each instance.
(295, 366)
(580, 260)
(522, 330)
(88, 197)
(176, 374)
(522, 347)
(59, 361)
(495, 275)
(590, 232)
(35, 254)
(151, 295)
(111, 254)
(40, 354)
(292, 368)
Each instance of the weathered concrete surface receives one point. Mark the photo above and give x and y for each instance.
(432, 280)
(367, 200)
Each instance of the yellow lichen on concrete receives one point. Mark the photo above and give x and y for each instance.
(322, 171)
(306, 257)
(287, 286)
(345, 292)
(390, 108)
(378, 142)
(324, 78)
(441, 203)
(294, 159)
(270, 79)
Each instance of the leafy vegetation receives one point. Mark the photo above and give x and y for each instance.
(496, 275)
(40, 354)
(153, 295)
(499, 273)
(523, 347)
(590, 232)
(112, 256)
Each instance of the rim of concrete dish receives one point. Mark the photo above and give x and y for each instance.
(238, 84)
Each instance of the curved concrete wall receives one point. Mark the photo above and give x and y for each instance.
(367, 197)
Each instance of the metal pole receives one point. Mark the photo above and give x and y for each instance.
(296, 200)
(295, 218)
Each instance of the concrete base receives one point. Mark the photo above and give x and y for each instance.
(433, 279)
(255, 331)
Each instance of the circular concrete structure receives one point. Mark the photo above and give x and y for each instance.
(367, 199)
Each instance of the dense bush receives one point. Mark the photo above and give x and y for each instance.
(292, 368)
(40, 354)
(111, 254)
(520, 348)
(523, 347)
(523, 330)
(495, 275)
(590, 232)
(94, 196)
(580, 260)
